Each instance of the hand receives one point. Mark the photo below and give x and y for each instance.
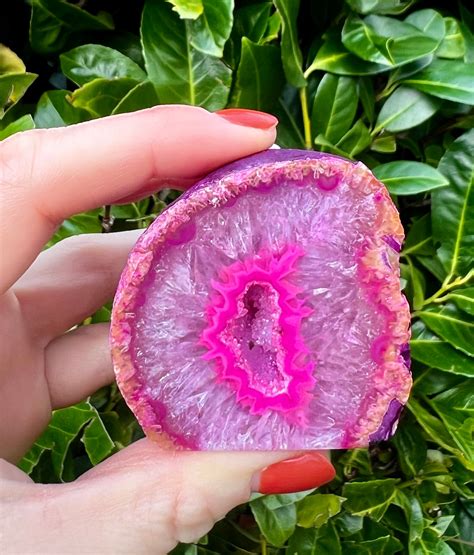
(144, 499)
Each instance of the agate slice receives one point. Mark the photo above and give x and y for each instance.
(262, 310)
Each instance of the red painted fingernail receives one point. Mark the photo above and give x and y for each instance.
(249, 118)
(308, 471)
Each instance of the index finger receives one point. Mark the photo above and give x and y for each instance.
(49, 174)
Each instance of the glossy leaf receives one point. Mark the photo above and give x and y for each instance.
(10, 62)
(406, 108)
(333, 57)
(411, 448)
(277, 524)
(448, 79)
(12, 87)
(464, 299)
(437, 431)
(409, 178)
(21, 124)
(453, 45)
(53, 21)
(140, 97)
(366, 94)
(187, 9)
(92, 61)
(334, 107)
(386, 41)
(428, 348)
(66, 425)
(259, 78)
(54, 109)
(315, 510)
(456, 409)
(210, 31)
(429, 22)
(97, 441)
(181, 74)
(385, 144)
(355, 140)
(453, 207)
(451, 325)
(101, 96)
(369, 498)
(380, 6)
(418, 240)
(315, 541)
(290, 49)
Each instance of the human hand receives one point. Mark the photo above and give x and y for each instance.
(145, 498)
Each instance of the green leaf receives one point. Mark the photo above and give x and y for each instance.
(437, 431)
(448, 79)
(181, 74)
(409, 178)
(366, 94)
(334, 58)
(210, 31)
(315, 541)
(355, 140)
(53, 21)
(250, 22)
(380, 6)
(334, 107)
(404, 109)
(290, 49)
(418, 240)
(453, 207)
(101, 96)
(54, 109)
(428, 348)
(87, 222)
(387, 41)
(411, 448)
(413, 512)
(24, 123)
(429, 22)
(453, 45)
(456, 409)
(10, 62)
(464, 299)
(31, 459)
(65, 426)
(315, 510)
(97, 441)
(140, 97)
(92, 61)
(451, 325)
(387, 144)
(259, 79)
(187, 9)
(430, 543)
(12, 87)
(369, 498)
(276, 524)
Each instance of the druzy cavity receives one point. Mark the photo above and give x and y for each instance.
(254, 335)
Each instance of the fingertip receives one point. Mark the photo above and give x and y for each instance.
(308, 471)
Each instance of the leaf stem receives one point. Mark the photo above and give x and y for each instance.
(263, 545)
(308, 143)
(447, 285)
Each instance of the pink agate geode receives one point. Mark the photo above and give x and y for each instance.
(262, 310)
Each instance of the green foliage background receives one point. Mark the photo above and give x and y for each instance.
(390, 82)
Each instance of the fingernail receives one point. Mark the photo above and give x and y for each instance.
(249, 118)
(307, 471)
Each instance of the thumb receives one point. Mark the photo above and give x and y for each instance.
(146, 499)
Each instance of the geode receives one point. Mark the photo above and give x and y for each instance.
(262, 310)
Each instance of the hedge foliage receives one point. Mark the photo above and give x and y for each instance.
(389, 82)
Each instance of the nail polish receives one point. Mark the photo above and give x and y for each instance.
(307, 471)
(249, 118)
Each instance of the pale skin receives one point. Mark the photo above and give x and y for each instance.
(143, 499)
